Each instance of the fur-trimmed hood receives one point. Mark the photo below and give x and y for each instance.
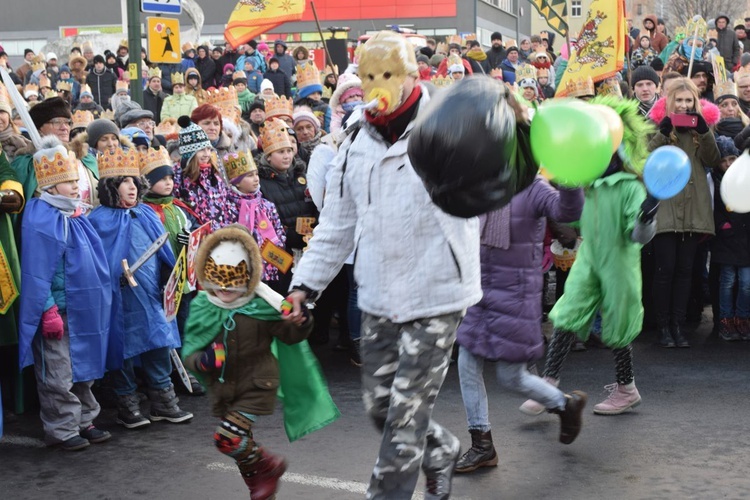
(233, 232)
(304, 51)
(710, 111)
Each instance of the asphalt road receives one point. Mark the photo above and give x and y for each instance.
(690, 438)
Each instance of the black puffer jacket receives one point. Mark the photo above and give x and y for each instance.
(207, 68)
(731, 245)
(289, 193)
(102, 86)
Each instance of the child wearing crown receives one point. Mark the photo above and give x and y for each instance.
(65, 301)
(257, 214)
(236, 343)
(138, 326)
(179, 103)
(198, 181)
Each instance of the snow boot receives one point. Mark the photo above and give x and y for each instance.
(164, 406)
(262, 477)
(481, 454)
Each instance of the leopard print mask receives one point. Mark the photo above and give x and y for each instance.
(226, 277)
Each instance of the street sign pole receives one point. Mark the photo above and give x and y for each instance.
(134, 49)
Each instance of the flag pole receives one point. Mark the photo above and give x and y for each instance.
(325, 47)
(692, 51)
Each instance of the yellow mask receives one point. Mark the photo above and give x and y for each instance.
(385, 62)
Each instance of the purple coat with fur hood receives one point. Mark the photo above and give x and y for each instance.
(507, 323)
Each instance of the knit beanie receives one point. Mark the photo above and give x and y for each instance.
(48, 110)
(657, 64)
(158, 174)
(257, 104)
(99, 128)
(304, 113)
(744, 59)
(644, 73)
(423, 58)
(192, 138)
(266, 84)
(137, 136)
(726, 146)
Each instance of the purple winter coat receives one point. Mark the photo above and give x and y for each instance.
(507, 323)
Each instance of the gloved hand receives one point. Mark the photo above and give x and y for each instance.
(212, 358)
(183, 238)
(665, 126)
(702, 126)
(52, 324)
(649, 208)
(10, 202)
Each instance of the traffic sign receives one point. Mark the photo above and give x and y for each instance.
(163, 35)
(161, 6)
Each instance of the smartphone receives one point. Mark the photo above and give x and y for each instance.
(682, 120)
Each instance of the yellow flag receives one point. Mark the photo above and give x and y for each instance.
(251, 18)
(599, 50)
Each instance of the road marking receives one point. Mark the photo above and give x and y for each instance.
(11, 439)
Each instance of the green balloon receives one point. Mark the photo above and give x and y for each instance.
(572, 142)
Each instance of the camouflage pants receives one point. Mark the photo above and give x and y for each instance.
(404, 366)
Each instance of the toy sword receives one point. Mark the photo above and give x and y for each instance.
(128, 271)
(177, 362)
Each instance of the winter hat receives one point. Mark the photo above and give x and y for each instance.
(511, 49)
(657, 64)
(137, 136)
(423, 58)
(644, 73)
(347, 85)
(54, 164)
(99, 128)
(496, 36)
(48, 110)
(744, 59)
(304, 113)
(99, 59)
(726, 146)
(265, 85)
(129, 112)
(26, 52)
(229, 259)
(262, 46)
(65, 69)
(436, 60)
(192, 138)
(155, 164)
(228, 67)
(257, 104)
(51, 56)
(239, 77)
(452, 46)
(456, 68)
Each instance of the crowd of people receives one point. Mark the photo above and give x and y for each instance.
(260, 147)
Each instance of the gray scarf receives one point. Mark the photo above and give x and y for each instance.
(67, 206)
(495, 227)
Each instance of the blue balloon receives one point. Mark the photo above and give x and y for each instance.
(666, 172)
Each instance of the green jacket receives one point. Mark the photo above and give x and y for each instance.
(10, 264)
(691, 210)
(23, 165)
(176, 106)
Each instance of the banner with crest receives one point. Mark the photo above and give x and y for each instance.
(251, 18)
(555, 12)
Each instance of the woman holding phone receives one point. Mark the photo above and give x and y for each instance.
(684, 121)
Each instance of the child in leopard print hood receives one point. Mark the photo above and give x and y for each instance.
(232, 343)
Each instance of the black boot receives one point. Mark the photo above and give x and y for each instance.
(665, 337)
(481, 454)
(678, 337)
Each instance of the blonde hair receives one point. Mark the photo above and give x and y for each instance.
(680, 85)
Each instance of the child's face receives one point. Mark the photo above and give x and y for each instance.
(68, 189)
(178, 89)
(128, 192)
(268, 92)
(528, 94)
(164, 186)
(543, 80)
(228, 296)
(274, 66)
(281, 159)
(107, 143)
(250, 183)
(203, 156)
(240, 87)
(726, 162)
(316, 96)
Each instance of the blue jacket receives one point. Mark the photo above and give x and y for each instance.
(509, 72)
(254, 80)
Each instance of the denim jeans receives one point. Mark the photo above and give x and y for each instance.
(156, 364)
(727, 279)
(513, 376)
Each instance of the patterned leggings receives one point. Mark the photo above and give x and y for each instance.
(234, 437)
(561, 344)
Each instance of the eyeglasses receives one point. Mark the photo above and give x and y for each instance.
(61, 122)
(144, 123)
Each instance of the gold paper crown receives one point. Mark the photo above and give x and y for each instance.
(107, 115)
(443, 81)
(38, 63)
(307, 75)
(239, 164)
(469, 38)
(723, 89)
(31, 87)
(525, 71)
(580, 87)
(64, 86)
(44, 81)
(59, 168)
(119, 163)
(123, 43)
(154, 72)
(167, 128)
(187, 46)
(85, 88)
(151, 159)
(82, 118)
(700, 24)
(178, 78)
(497, 73)
(87, 45)
(121, 85)
(239, 74)
(50, 94)
(454, 39)
(279, 106)
(742, 72)
(609, 86)
(5, 97)
(275, 136)
(225, 99)
(441, 47)
(542, 72)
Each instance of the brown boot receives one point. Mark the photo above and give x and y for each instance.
(481, 454)
(262, 477)
(570, 417)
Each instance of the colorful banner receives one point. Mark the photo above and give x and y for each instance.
(195, 240)
(555, 12)
(599, 51)
(251, 18)
(175, 287)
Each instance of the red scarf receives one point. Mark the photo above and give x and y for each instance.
(384, 120)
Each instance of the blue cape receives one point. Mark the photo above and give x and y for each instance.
(87, 285)
(138, 323)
